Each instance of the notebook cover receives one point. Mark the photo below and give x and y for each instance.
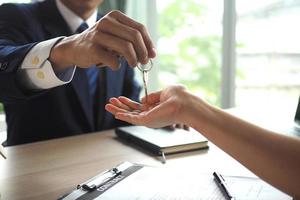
(157, 140)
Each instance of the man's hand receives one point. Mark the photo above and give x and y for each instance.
(112, 36)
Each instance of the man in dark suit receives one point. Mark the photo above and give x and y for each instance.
(53, 79)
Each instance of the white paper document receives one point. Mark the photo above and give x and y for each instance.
(161, 184)
(150, 183)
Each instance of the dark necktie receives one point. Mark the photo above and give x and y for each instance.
(83, 26)
(91, 72)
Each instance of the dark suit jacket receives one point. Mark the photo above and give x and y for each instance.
(62, 111)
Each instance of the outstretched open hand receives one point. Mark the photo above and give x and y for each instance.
(161, 109)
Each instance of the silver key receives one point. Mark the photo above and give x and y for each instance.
(145, 69)
(145, 80)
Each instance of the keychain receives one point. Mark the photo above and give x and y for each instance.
(145, 69)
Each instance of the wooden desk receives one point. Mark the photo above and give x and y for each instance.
(47, 170)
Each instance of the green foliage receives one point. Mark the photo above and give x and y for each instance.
(196, 60)
(175, 15)
(1, 108)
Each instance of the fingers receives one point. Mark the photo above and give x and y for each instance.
(112, 37)
(135, 105)
(132, 104)
(183, 126)
(126, 34)
(186, 127)
(119, 104)
(180, 126)
(120, 46)
(158, 117)
(142, 29)
(114, 109)
(119, 25)
(171, 127)
(127, 104)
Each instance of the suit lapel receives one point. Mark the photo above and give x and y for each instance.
(54, 26)
(53, 22)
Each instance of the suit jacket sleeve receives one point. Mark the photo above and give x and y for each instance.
(17, 29)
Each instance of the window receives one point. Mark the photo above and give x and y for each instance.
(268, 53)
(15, 1)
(189, 46)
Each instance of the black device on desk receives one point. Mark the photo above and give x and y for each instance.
(162, 141)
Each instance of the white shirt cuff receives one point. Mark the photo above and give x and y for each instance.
(37, 70)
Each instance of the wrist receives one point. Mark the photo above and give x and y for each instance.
(60, 54)
(198, 114)
(187, 107)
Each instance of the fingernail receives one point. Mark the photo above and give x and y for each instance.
(145, 60)
(153, 52)
(133, 64)
(100, 65)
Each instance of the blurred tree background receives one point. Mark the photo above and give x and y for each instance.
(189, 47)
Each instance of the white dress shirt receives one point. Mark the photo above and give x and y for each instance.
(36, 70)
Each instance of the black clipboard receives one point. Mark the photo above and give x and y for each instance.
(97, 185)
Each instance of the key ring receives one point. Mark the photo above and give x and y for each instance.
(146, 67)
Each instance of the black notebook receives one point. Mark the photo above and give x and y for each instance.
(163, 141)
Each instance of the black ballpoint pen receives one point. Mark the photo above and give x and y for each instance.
(221, 182)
